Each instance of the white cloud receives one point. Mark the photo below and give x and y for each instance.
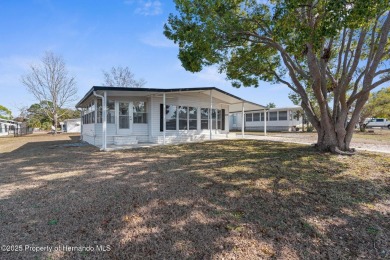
(156, 39)
(146, 7)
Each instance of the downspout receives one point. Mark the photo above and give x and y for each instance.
(104, 119)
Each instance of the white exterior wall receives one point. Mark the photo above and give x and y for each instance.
(88, 133)
(3, 131)
(73, 125)
(279, 125)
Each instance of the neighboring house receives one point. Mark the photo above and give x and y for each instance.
(137, 115)
(72, 125)
(7, 127)
(278, 119)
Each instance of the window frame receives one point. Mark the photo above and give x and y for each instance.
(144, 113)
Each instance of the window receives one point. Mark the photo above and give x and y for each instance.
(213, 119)
(380, 120)
(6, 128)
(273, 116)
(110, 112)
(186, 117)
(248, 117)
(192, 118)
(219, 119)
(139, 113)
(256, 117)
(282, 115)
(234, 119)
(204, 118)
(1, 128)
(170, 117)
(183, 120)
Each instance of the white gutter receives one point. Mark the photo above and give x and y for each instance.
(104, 119)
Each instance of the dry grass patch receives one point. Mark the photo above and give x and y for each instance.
(241, 199)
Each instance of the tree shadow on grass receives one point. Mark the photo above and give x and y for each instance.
(243, 199)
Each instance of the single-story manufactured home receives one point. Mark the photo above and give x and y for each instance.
(154, 115)
(8, 127)
(278, 119)
(72, 125)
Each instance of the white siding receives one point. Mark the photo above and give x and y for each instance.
(279, 125)
(73, 126)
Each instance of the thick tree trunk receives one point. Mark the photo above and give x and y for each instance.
(55, 123)
(333, 138)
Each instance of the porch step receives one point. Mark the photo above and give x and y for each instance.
(125, 140)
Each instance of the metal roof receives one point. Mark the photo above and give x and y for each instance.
(234, 102)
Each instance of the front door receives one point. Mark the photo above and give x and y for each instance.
(124, 117)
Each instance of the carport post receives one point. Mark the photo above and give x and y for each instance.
(104, 105)
(164, 112)
(265, 122)
(211, 114)
(243, 120)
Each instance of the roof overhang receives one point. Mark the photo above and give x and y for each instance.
(235, 103)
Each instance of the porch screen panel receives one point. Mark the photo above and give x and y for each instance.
(219, 119)
(183, 122)
(282, 115)
(110, 112)
(99, 111)
(256, 117)
(170, 116)
(204, 118)
(192, 118)
(139, 113)
(273, 116)
(124, 116)
(213, 118)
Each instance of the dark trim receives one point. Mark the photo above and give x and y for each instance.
(160, 90)
(161, 117)
(223, 119)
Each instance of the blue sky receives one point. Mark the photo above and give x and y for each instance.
(94, 35)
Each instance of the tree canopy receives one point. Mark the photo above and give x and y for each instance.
(122, 77)
(330, 53)
(51, 85)
(378, 105)
(38, 118)
(5, 113)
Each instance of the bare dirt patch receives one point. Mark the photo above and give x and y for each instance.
(242, 199)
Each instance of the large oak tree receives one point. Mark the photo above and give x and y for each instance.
(331, 53)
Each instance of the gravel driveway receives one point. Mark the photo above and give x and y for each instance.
(377, 141)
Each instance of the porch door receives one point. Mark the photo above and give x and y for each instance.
(124, 117)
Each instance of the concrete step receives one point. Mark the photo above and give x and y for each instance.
(125, 140)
